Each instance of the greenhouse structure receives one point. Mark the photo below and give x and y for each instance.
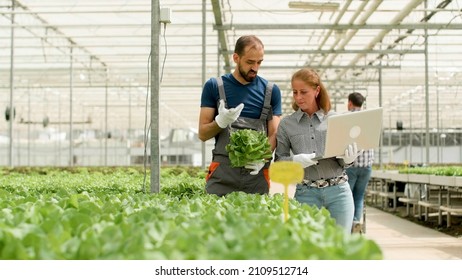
(101, 156)
(78, 77)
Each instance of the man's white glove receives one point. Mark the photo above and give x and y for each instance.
(225, 116)
(255, 166)
(305, 159)
(351, 153)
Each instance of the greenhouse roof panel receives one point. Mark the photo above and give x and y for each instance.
(376, 47)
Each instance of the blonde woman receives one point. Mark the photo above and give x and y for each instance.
(302, 135)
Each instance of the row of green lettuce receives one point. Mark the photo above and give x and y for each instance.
(105, 213)
(439, 170)
(434, 170)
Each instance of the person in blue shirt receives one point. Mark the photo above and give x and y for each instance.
(239, 100)
(360, 172)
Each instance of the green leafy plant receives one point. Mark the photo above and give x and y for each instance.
(59, 215)
(434, 170)
(247, 146)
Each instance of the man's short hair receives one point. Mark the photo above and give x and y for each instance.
(356, 98)
(245, 41)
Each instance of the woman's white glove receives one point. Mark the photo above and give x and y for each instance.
(305, 159)
(225, 116)
(255, 166)
(351, 153)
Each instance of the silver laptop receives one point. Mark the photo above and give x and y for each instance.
(363, 127)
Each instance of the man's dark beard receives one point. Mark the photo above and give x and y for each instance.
(244, 75)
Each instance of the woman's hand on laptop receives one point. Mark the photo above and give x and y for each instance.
(305, 159)
(351, 153)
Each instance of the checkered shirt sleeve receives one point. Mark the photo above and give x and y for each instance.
(365, 159)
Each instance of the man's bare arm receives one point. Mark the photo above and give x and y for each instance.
(272, 130)
(208, 128)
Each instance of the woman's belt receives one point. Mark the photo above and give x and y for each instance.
(322, 183)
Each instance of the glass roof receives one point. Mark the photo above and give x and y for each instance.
(91, 57)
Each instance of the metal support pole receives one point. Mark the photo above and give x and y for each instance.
(410, 131)
(204, 69)
(106, 132)
(380, 105)
(427, 99)
(59, 128)
(71, 81)
(129, 149)
(155, 90)
(28, 125)
(438, 128)
(390, 148)
(12, 110)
